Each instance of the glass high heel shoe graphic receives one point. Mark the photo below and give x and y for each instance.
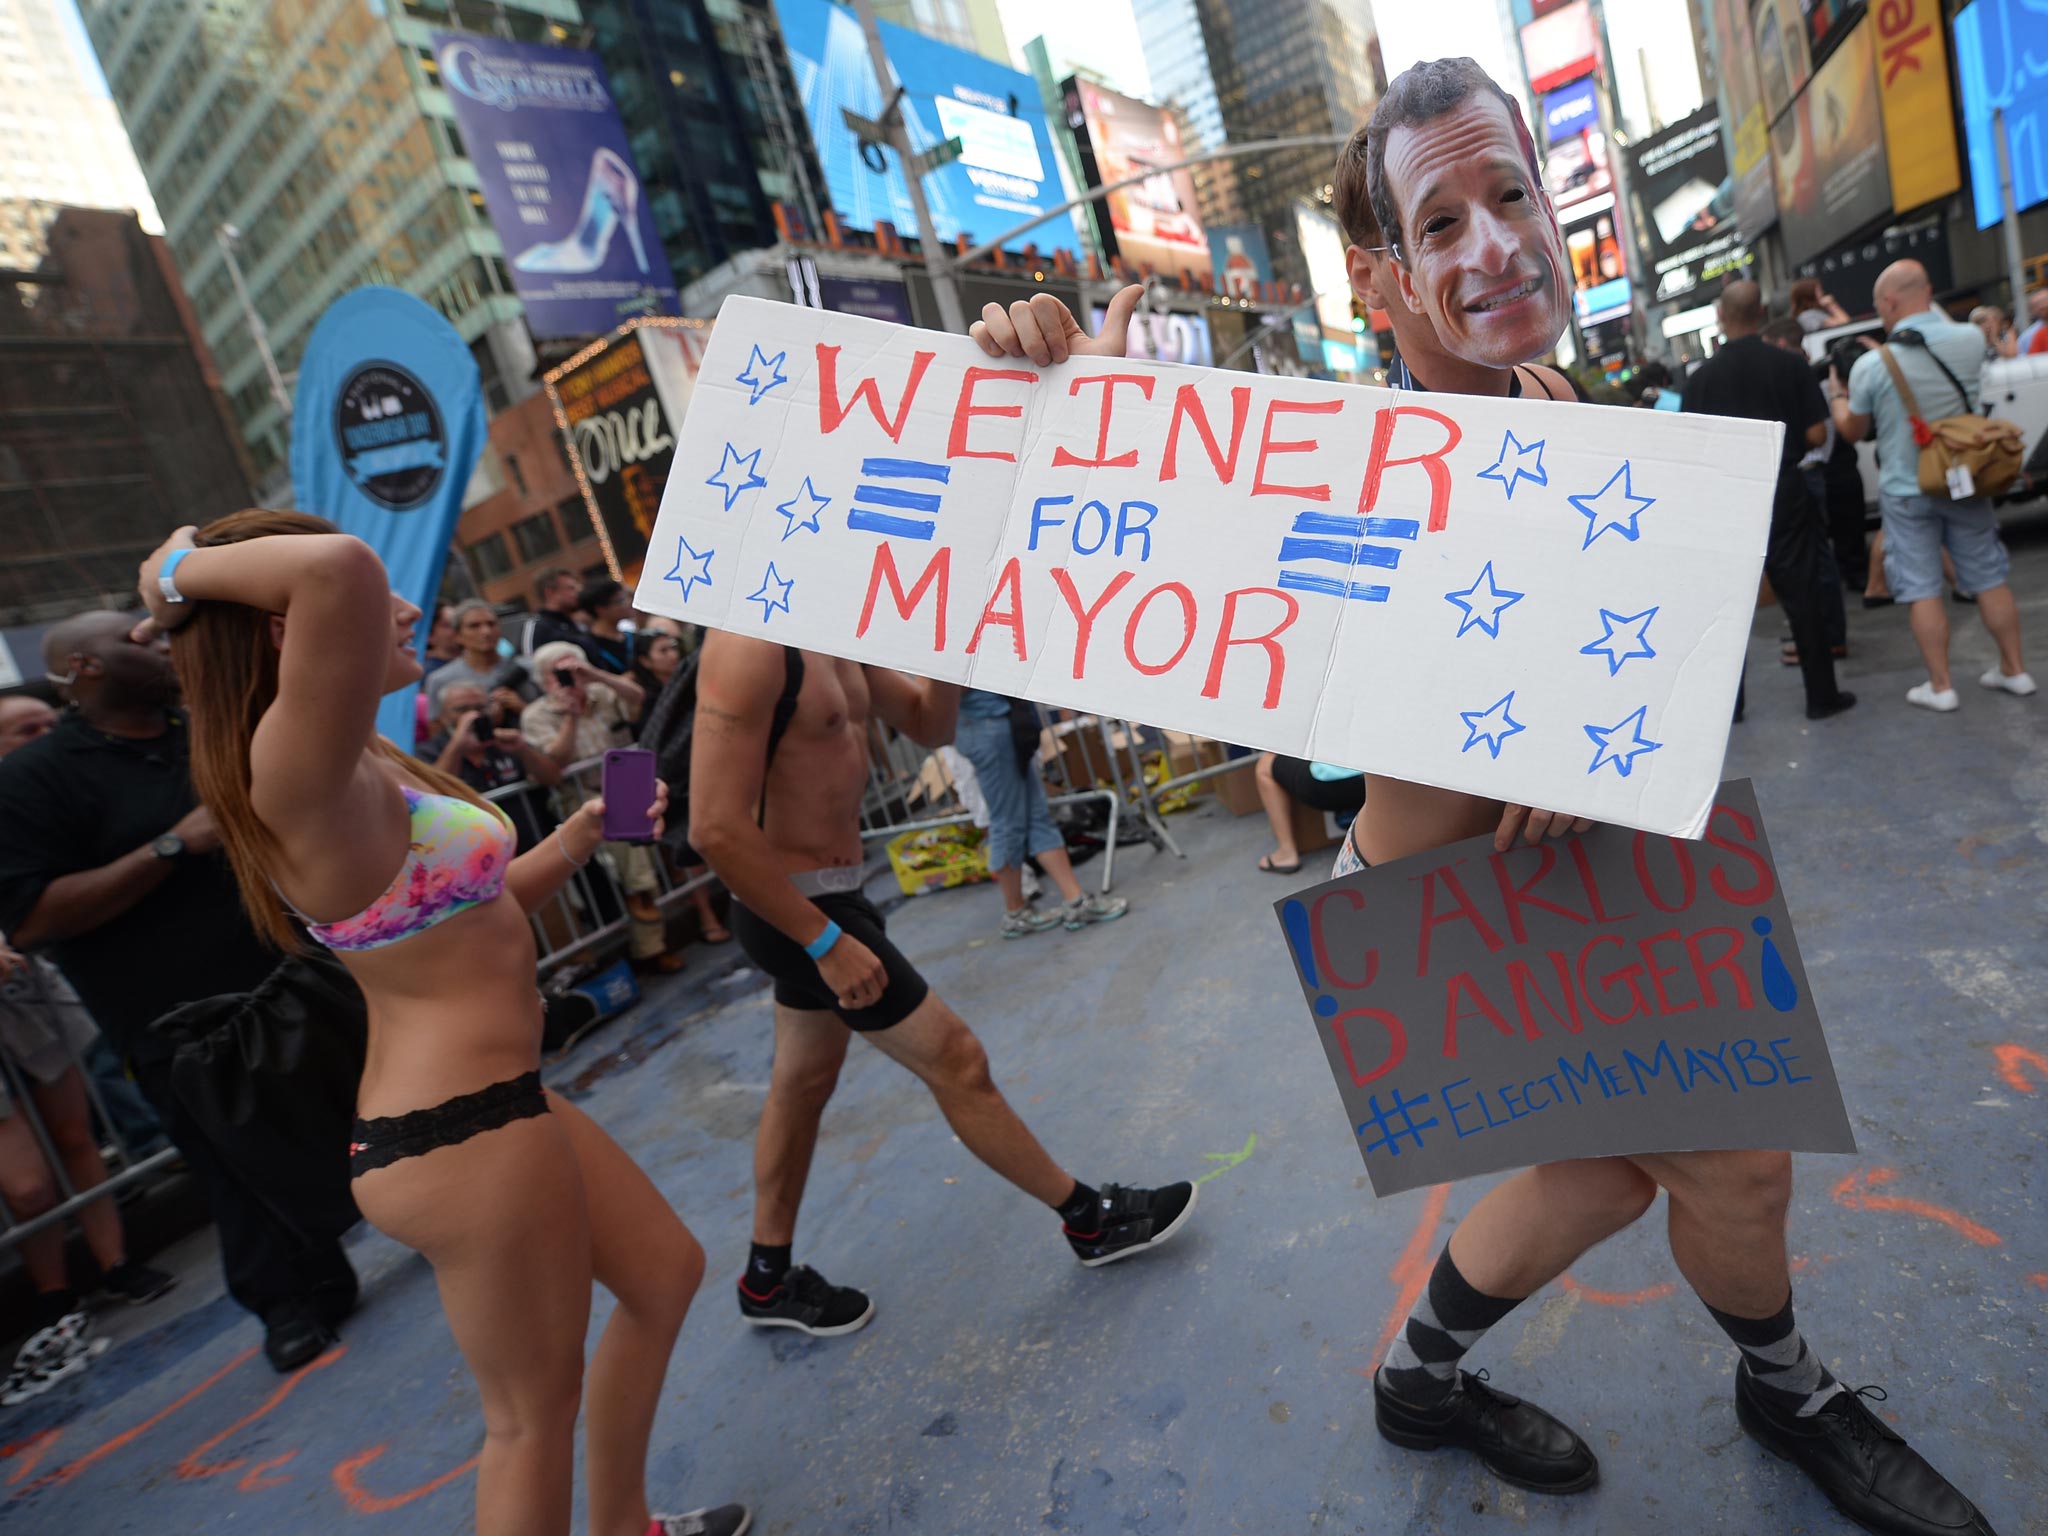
(611, 202)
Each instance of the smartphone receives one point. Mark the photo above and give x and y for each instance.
(565, 677)
(628, 789)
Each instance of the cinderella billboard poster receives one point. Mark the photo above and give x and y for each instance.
(558, 181)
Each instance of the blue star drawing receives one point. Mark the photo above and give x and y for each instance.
(735, 460)
(762, 374)
(1623, 755)
(813, 500)
(688, 556)
(1512, 475)
(1625, 637)
(1483, 608)
(1615, 505)
(772, 600)
(1492, 725)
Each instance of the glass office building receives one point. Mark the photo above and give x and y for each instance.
(1177, 58)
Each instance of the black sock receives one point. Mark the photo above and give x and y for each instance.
(1078, 1211)
(1422, 1363)
(1787, 1373)
(767, 1263)
(51, 1305)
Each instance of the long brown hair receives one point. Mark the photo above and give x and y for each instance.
(227, 663)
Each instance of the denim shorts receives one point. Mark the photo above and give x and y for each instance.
(1019, 820)
(1916, 528)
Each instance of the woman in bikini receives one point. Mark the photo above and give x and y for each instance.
(286, 634)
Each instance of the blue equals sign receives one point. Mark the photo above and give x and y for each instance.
(1336, 538)
(869, 496)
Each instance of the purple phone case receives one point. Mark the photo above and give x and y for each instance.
(628, 795)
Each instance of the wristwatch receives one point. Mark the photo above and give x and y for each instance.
(170, 847)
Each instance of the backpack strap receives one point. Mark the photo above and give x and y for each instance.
(778, 724)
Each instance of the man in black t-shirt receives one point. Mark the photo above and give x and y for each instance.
(111, 867)
(559, 592)
(1751, 378)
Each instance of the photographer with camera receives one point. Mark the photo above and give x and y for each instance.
(480, 743)
(480, 665)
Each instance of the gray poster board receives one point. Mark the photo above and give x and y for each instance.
(1611, 992)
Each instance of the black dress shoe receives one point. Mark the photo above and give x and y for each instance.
(1861, 1463)
(291, 1338)
(1518, 1442)
(1842, 700)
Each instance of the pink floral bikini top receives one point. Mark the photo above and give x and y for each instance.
(457, 860)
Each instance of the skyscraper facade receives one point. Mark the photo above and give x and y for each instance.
(1177, 58)
(61, 141)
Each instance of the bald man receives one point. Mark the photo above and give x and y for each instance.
(1917, 526)
(1749, 377)
(23, 717)
(111, 867)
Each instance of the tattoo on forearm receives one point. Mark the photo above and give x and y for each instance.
(716, 721)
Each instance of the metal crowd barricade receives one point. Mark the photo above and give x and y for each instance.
(124, 1168)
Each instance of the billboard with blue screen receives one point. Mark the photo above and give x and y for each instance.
(1007, 170)
(1997, 42)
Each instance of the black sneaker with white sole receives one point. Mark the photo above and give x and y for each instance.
(809, 1303)
(136, 1284)
(726, 1520)
(1129, 1221)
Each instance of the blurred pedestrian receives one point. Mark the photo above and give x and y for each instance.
(1999, 340)
(109, 863)
(1784, 334)
(653, 667)
(483, 746)
(2034, 338)
(480, 663)
(609, 605)
(561, 595)
(442, 644)
(1750, 378)
(24, 717)
(1814, 308)
(1285, 782)
(1020, 823)
(1942, 372)
(288, 634)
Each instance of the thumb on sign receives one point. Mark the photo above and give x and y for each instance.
(1112, 340)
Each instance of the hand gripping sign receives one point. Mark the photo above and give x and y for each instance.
(1538, 602)
(1612, 992)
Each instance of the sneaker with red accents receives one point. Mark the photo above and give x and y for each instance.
(809, 1303)
(1129, 1221)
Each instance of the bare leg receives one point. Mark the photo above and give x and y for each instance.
(67, 1116)
(1874, 585)
(2001, 615)
(1010, 881)
(1061, 868)
(708, 925)
(1728, 1225)
(935, 1044)
(644, 1255)
(502, 1219)
(1528, 1230)
(810, 1045)
(1279, 812)
(28, 1188)
(1929, 616)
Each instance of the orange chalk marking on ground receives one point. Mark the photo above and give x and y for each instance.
(1411, 1270)
(32, 1450)
(72, 1469)
(364, 1502)
(2010, 1071)
(192, 1468)
(1648, 1293)
(2039, 1282)
(1854, 1189)
(255, 1480)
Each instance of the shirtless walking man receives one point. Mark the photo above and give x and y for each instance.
(778, 764)
(1471, 269)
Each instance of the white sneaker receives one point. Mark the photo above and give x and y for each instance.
(2021, 683)
(1945, 702)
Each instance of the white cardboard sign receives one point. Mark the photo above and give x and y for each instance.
(1538, 602)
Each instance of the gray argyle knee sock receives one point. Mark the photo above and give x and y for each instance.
(1422, 1363)
(1787, 1373)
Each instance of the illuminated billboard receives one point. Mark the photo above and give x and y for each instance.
(1006, 170)
(1996, 44)
(1152, 223)
(1832, 175)
(1560, 46)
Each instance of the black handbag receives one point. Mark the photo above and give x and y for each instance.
(270, 1078)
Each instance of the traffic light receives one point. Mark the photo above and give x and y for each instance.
(1359, 323)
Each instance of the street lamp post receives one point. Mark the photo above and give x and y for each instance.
(228, 236)
(938, 266)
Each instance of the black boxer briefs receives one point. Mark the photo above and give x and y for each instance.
(798, 983)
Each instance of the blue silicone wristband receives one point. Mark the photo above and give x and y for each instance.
(818, 947)
(164, 583)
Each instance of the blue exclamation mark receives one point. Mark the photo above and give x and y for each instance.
(1294, 918)
(1779, 988)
